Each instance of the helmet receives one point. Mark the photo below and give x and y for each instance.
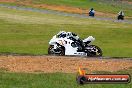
(61, 34)
(92, 9)
(69, 34)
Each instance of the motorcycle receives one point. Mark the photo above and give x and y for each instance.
(69, 46)
(120, 17)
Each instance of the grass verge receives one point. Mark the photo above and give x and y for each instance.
(51, 80)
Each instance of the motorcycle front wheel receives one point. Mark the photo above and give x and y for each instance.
(60, 51)
(95, 51)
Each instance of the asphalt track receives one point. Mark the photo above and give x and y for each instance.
(62, 13)
(70, 56)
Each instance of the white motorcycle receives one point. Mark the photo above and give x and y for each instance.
(70, 46)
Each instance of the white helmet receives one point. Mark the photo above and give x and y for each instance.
(69, 34)
(61, 34)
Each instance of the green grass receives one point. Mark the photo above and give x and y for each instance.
(129, 0)
(29, 32)
(51, 80)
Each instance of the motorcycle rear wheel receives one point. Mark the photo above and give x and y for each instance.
(97, 53)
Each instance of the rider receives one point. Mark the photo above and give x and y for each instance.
(61, 34)
(72, 36)
(91, 12)
(76, 38)
(121, 15)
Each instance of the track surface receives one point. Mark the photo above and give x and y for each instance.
(48, 64)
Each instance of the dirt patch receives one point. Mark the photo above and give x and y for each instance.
(72, 10)
(7, 0)
(60, 64)
(126, 1)
(68, 9)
